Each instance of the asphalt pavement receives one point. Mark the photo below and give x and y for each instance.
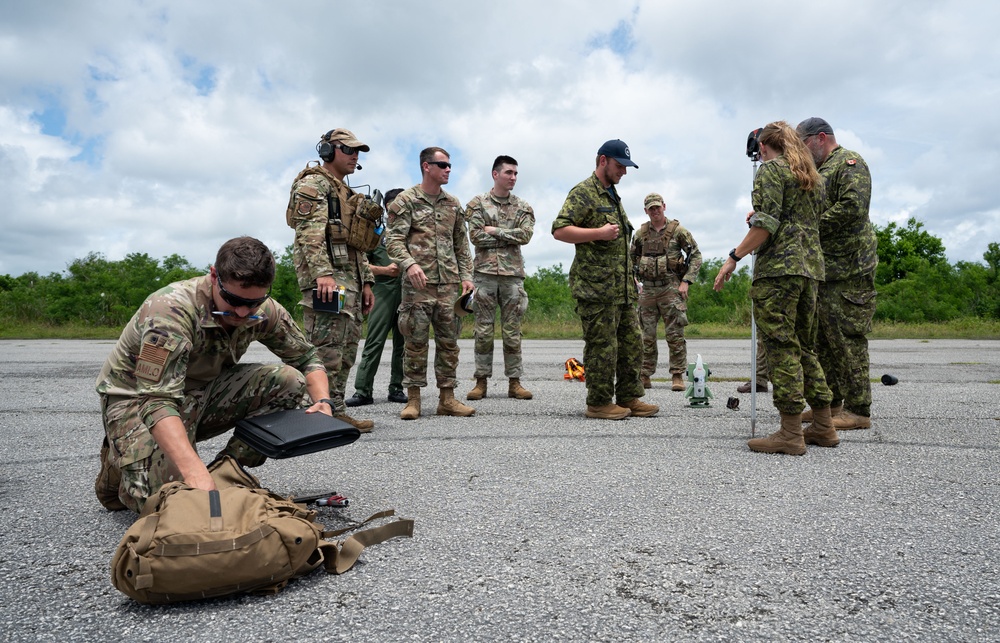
(533, 523)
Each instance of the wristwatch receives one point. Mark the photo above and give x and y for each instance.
(325, 400)
(687, 281)
(732, 255)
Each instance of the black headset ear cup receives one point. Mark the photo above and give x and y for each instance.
(324, 149)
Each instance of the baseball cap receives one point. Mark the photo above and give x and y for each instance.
(345, 136)
(653, 199)
(617, 150)
(463, 306)
(813, 126)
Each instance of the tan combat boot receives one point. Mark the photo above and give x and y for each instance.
(516, 391)
(412, 409)
(108, 480)
(479, 392)
(365, 426)
(807, 415)
(448, 405)
(639, 409)
(677, 382)
(646, 383)
(845, 421)
(821, 431)
(788, 439)
(607, 412)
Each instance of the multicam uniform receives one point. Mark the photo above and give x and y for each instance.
(787, 272)
(383, 318)
(174, 359)
(846, 302)
(663, 258)
(318, 202)
(601, 281)
(429, 230)
(499, 276)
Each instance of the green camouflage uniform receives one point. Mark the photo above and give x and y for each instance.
(335, 335)
(383, 318)
(661, 267)
(499, 277)
(846, 302)
(429, 231)
(602, 283)
(787, 272)
(173, 359)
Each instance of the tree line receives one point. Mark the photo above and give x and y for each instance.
(914, 280)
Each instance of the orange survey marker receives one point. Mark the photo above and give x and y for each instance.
(574, 370)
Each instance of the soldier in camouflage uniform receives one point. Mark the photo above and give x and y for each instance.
(326, 263)
(846, 302)
(667, 261)
(787, 199)
(602, 283)
(499, 224)
(427, 240)
(173, 378)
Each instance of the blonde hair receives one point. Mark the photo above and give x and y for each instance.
(782, 138)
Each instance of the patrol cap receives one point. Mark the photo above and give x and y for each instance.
(345, 136)
(463, 306)
(813, 126)
(617, 150)
(653, 199)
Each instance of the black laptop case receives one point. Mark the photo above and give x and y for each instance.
(286, 434)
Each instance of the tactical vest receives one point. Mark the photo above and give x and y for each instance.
(654, 265)
(352, 219)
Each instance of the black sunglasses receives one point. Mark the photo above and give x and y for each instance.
(350, 151)
(444, 165)
(237, 302)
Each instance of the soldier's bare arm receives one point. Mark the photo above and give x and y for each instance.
(172, 438)
(576, 234)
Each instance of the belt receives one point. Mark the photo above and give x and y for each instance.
(655, 282)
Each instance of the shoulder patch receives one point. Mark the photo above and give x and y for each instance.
(851, 161)
(153, 355)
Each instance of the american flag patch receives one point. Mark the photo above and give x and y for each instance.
(149, 365)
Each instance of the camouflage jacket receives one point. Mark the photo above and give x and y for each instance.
(499, 253)
(312, 252)
(430, 231)
(601, 270)
(174, 344)
(791, 215)
(681, 250)
(850, 248)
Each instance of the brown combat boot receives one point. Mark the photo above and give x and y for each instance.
(448, 405)
(846, 421)
(639, 409)
(788, 439)
(412, 409)
(365, 426)
(108, 480)
(479, 392)
(607, 412)
(821, 431)
(807, 415)
(516, 391)
(646, 383)
(677, 382)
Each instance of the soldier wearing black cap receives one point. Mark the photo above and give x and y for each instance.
(846, 300)
(601, 281)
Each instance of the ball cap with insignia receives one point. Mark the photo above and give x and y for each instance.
(345, 136)
(813, 126)
(617, 150)
(653, 199)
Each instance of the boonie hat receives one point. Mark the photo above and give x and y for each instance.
(617, 150)
(813, 126)
(463, 306)
(345, 136)
(653, 199)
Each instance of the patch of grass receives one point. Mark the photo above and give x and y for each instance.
(63, 331)
(993, 382)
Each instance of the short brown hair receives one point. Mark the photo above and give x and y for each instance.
(427, 155)
(247, 261)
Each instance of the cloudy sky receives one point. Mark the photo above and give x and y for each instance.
(168, 127)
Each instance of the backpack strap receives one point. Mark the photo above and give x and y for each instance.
(340, 556)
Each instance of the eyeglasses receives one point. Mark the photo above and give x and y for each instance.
(238, 302)
(444, 165)
(346, 149)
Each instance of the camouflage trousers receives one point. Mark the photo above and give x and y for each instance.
(845, 309)
(336, 337)
(246, 390)
(785, 311)
(421, 309)
(612, 352)
(508, 294)
(666, 303)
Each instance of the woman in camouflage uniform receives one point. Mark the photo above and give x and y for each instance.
(784, 229)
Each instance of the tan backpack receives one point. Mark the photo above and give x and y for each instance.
(190, 544)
